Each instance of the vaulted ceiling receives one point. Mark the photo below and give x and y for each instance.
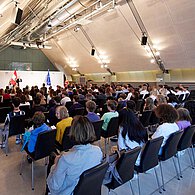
(111, 28)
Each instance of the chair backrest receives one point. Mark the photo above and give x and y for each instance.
(181, 97)
(26, 109)
(79, 111)
(91, 180)
(4, 111)
(113, 126)
(149, 154)
(125, 167)
(190, 105)
(140, 105)
(17, 125)
(68, 105)
(98, 128)
(186, 139)
(145, 117)
(45, 144)
(154, 119)
(67, 143)
(170, 147)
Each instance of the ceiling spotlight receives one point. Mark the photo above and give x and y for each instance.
(24, 46)
(152, 61)
(77, 28)
(49, 24)
(157, 53)
(144, 39)
(102, 66)
(93, 51)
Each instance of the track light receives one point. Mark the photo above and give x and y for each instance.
(144, 39)
(93, 51)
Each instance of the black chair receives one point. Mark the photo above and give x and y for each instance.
(90, 181)
(190, 105)
(181, 98)
(145, 118)
(44, 146)
(4, 111)
(98, 128)
(185, 143)
(26, 109)
(112, 130)
(79, 111)
(140, 105)
(16, 127)
(149, 159)
(169, 150)
(68, 105)
(67, 143)
(125, 168)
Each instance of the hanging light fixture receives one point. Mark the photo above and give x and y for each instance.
(144, 39)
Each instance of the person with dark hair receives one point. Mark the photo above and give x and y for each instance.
(53, 120)
(168, 115)
(37, 106)
(131, 132)
(44, 89)
(76, 105)
(4, 132)
(39, 126)
(184, 119)
(91, 107)
(68, 166)
(112, 106)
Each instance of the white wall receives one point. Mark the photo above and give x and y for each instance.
(32, 78)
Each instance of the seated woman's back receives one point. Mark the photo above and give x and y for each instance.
(168, 115)
(68, 167)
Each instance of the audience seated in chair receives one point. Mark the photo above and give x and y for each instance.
(168, 115)
(68, 166)
(39, 126)
(131, 133)
(112, 106)
(91, 107)
(76, 105)
(53, 120)
(4, 132)
(184, 120)
(62, 114)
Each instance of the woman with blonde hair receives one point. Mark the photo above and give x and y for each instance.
(62, 114)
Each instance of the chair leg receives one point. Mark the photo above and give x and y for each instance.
(138, 183)
(105, 146)
(32, 182)
(190, 158)
(158, 183)
(179, 165)
(176, 168)
(21, 164)
(131, 188)
(163, 183)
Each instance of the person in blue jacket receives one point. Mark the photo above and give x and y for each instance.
(39, 126)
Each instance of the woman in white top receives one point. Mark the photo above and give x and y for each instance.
(168, 116)
(131, 132)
